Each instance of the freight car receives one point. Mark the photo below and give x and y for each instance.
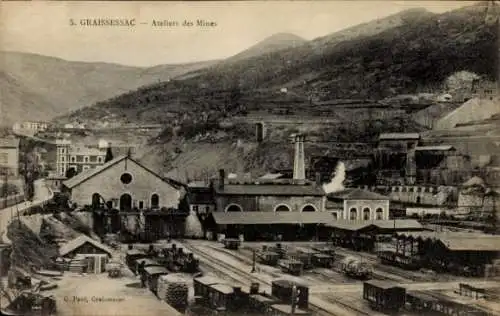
(268, 257)
(151, 275)
(283, 290)
(384, 296)
(293, 267)
(232, 243)
(322, 260)
(398, 260)
(145, 262)
(355, 268)
(132, 255)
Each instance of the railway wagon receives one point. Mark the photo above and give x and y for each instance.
(322, 260)
(232, 243)
(268, 257)
(201, 285)
(293, 267)
(384, 296)
(223, 297)
(278, 248)
(305, 255)
(283, 290)
(146, 262)
(394, 259)
(261, 303)
(327, 250)
(151, 275)
(420, 302)
(132, 255)
(286, 309)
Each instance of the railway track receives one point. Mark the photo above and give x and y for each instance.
(239, 275)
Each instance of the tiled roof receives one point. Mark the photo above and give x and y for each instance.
(78, 242)
(85, 175)
(436, 148)
(9, 142)
(357, 194)
(354, 225)
(270, 189)
(399, 136)
(263, 218)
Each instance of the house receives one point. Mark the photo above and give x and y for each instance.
(200, 197)
(87, 252)
(360, 204)
(125, 183)
(9, 156)
(129, 198)
(78, 157)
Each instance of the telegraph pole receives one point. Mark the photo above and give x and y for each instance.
(294, 300)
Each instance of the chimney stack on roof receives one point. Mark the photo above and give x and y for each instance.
(299, 170)
(222, 177)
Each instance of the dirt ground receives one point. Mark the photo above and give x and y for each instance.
(97, 294)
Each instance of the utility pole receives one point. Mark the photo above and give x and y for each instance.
(253, 262)
(294, 299)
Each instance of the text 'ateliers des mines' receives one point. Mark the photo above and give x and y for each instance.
(124, 22)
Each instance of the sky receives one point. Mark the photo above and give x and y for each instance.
(44, 27)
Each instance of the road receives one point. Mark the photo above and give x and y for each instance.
(42, 194)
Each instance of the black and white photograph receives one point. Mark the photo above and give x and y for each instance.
(259, 158)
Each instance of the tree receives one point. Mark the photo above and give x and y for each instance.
(109, 155)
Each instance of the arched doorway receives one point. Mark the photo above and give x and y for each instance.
(125, 202)
(155, 201)
(379, 213)
(282, 208)
(96, 200)
(366, 213)
(234, 208)
(308, 208)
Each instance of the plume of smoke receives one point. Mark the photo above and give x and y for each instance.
(336, 184)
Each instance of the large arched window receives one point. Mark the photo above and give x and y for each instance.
(335, 215)
(234, 208)
(282, 208)
(366, 213)
(155, 201)
(379, 214)
(309, 208)
(353, 214)
(96, 200)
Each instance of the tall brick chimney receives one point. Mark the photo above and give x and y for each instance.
(299, 169)
(222, 178)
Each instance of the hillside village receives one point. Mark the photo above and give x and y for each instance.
(345, 175)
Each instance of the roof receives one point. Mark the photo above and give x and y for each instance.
(271, 176)
(261, 298)
(155, 270)
(387, 136)
(436, 148)
(223, 288)
(381, 284)
(148, 262)
(422, 296)
(383, 224)
(485, 243)
(357, 194)
(9, 142)
(208, 280)
(474, 181)
(84, 176)
(271, 189)
(264, 218)
(78, 242)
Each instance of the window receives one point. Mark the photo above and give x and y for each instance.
(73, 158)
(282, 208)
(418, 199)
(86, 159)
(335, 215)
(379, 214)
(155, 200)
(353, 213)
(234, 208)
(4, 158)
(141, 205)
(99, 159)
(366, 213)
(308, 208)
(126, 178)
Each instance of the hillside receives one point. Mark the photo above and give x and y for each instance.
(270, 44)
(41, 87)
(417, 53)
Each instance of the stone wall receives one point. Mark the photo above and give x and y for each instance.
(268, 203)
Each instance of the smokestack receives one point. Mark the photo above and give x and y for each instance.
(318, 178)
(222, 177)
(299, 172)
